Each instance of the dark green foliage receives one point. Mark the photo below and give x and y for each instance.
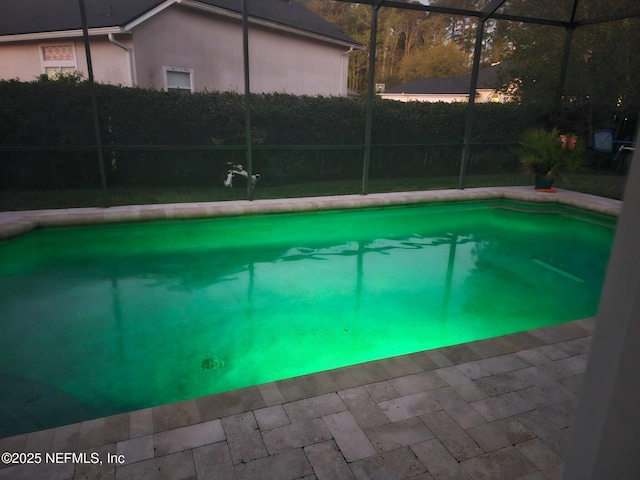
(166, 139)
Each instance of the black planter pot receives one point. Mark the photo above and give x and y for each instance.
(543, 182)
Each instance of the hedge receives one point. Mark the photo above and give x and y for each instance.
(57, 115)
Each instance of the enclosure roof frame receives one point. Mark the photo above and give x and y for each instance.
(488, 12)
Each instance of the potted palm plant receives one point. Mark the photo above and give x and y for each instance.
(545, 153)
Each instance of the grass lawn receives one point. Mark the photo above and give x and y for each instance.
(605, 185)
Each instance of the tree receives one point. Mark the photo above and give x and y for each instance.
(400, 32)
(603, 75)
(603, 79)
(441, 60)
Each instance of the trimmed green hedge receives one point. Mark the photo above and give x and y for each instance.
(58, 114)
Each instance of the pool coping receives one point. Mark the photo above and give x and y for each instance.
(16, 223)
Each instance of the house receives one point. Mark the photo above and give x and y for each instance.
(451, 89)
(184, 45)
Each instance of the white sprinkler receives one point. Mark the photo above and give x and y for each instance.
(238, 170)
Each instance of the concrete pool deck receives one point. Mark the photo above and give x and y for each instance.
(500, 408)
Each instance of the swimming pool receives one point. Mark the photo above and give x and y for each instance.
(105, 319)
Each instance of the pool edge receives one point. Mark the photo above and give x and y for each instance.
(15, 224)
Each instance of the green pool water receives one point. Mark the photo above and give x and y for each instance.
(106, 319)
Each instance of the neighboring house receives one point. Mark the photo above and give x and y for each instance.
(451, 89)
(189, 45)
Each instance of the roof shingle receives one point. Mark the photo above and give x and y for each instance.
(487, 78)
(37, 16)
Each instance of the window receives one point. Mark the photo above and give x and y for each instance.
(58, 59)
(179, 79)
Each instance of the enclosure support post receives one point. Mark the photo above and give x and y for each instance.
(370, 92)
(247, 99)
(604, 437)
(565, 63)
(487, 12)
(563, 73)
(94, 104)
(468, 128)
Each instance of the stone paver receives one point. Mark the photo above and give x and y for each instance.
(298, 434)
(409, 406)
(177, 466)
(502, 383)
(545, 459)
(464, 414)
(327, 461)
(381, 391)
(502, 406)
(314, 407)
(287, 465)
(141, 423)
(363, 407)
(243, 437)
(503, 363)
(229, 403)
(65, 439)
(214, 461)
(50, 471)
(33, 442)
(352, 441)
(506, 464)
(461, 383)
(394, 465)
(454, 438)
(91, 470)
(556, 438)
(418, 382)
(271, 394)
(175, 415)
(499, 434)
(136, 449)
(271, 417)
(399, 434)
(439, 462)
(184, 438)
(560, 413)
(474, 370)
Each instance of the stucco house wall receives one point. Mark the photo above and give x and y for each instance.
(211, 48)
(416, 97)
(18, 61)
(205, 45)
(23, 60)
(483, 96)
(325, 65)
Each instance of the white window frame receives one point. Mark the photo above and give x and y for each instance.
(60, 65)
(165, 75)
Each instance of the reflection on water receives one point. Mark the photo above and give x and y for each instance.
(127, 317)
